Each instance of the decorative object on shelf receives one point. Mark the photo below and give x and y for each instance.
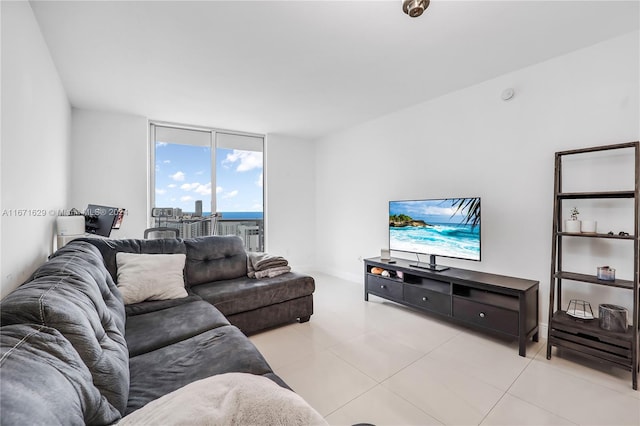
(385, 254)
(572, 225)
(578, 309)
(385, 274)
(377, 271)
(574, 213)
(606, 273)
(620, 234)
(613, 318)
(588, 226)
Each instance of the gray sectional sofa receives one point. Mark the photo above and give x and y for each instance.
(73, 353)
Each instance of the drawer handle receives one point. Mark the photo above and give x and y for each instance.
(482, 315)
(424, 299)
(383, 286)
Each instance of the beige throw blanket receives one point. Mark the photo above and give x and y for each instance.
(262, 265)
(227, 399)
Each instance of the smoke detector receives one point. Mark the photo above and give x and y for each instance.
(507, 94)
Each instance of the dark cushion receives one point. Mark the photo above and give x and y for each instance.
(153, 330)
(221, 350)
(68, 293)
(157, 305)
(269, 316)
(214, 258)
(82, 261)
(43, 381)
(245, 294)
(109, 249)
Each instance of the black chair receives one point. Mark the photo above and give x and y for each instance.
(161, 232)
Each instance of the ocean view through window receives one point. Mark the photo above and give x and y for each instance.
(197, 172)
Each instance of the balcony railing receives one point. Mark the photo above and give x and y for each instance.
(251, 231)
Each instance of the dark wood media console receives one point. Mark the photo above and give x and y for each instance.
(498, 303)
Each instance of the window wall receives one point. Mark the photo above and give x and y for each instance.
(212, 182)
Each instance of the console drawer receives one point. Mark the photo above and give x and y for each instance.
(486, 316)
(384, 287)
(427, 299)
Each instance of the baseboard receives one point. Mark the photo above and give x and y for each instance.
(543, 330)
(310, 270)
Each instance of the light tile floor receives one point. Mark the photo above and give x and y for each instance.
(381, 363)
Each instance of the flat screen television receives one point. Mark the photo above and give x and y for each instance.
(446, 227)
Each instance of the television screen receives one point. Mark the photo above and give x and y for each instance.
(448, 227)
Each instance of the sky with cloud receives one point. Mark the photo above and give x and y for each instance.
(435, 211)
(183, 175)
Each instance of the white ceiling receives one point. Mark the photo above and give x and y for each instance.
(304, 68)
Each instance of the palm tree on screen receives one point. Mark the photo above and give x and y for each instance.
(472, 208)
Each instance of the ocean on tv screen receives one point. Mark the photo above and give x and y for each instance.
(441, 239)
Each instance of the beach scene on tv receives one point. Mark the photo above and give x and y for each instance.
(444, 227)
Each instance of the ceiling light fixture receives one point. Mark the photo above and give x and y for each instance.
(414, 8)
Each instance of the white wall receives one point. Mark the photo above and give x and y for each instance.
(471, 143)
(290, 199)
(35, 146)
(110, 167)
(109, 161)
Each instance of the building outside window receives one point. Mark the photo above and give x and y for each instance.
(212, 182)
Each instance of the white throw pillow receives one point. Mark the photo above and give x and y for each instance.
(227, 399)
(150, 276)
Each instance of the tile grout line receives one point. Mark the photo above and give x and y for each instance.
(406, 400)
(506, 391)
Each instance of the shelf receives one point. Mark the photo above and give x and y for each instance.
(591, 328)
(598, 148)
(587, 195)
(585, 235)
(581, 335)
(396, 279)
(587, 338)
(487, 297)
(626, 284)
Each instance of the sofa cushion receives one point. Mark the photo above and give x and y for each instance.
(153, 330)
(68, 294)
(259, 319)
(150, 276)
(245, 294)
(83, 261)
(221, 350)
(214, 258)
(109, 249)
(158, 305)
(43, 381)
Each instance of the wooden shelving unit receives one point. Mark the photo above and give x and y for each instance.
(615, 348)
